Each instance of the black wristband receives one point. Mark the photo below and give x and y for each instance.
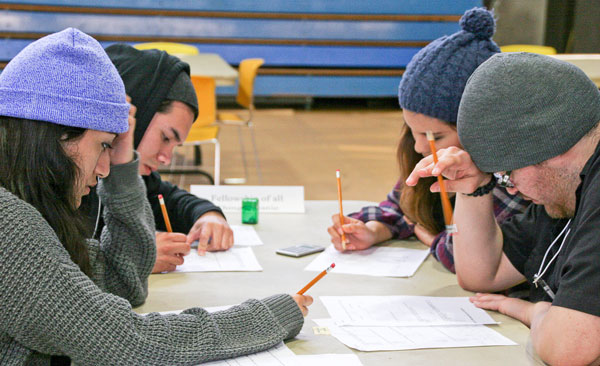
(483, 190)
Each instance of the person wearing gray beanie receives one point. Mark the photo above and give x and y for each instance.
(534, 122)
(160, 88)
(429, 94)
(65, 124)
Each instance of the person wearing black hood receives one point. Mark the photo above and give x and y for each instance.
(160, 87)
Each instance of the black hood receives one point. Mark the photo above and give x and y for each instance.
(148, 77)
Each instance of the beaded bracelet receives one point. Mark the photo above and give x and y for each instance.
(483, 190)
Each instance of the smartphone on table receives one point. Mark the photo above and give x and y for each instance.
(300, 250)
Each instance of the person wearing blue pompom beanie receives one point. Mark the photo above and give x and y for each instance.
(532, 123)
(65, 124)
(429, 94)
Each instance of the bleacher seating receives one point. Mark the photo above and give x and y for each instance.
(311, 47)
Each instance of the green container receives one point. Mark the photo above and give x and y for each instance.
(250, 210)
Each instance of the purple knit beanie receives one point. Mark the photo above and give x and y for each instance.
(436, 76)
(65, 78)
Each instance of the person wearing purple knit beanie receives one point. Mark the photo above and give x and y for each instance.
(66, 127)
(429, 95)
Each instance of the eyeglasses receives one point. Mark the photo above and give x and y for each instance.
(503, 179)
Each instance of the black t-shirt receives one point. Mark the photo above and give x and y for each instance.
(574, 276)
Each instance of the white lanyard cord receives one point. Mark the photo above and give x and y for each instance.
(539, 275)
(97, 219)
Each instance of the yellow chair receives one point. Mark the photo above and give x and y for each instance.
(531, 48)
(203, 130)
(171, 48)
(245, 97)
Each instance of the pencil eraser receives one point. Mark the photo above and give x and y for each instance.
(332, 265)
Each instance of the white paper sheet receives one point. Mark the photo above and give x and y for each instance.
(234, 259)
(327, 360)
(279, 355)
(375, 261)
(245, 235)
(403, 338)
(404, 311)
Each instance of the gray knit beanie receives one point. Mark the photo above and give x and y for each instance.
(520, 109)
(436, 76)
(65, 78)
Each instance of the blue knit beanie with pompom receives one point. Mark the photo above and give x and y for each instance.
(65, 78)
(436, 76)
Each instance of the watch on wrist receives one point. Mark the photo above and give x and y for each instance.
(483, 190)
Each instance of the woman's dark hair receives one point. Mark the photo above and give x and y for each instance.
(36, 168)
(417, 203)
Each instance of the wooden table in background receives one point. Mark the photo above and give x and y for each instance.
(211, 65)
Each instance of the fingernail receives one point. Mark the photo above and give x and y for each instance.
(435, 171)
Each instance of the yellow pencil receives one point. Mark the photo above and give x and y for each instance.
(164, 212)
(314, 280)
(446, 205)
(339, 187)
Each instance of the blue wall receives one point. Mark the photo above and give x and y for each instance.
(312, 35)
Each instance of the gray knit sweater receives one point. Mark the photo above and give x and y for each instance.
(49, 307)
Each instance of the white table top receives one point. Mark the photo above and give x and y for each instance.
(281, 274)
(211, 65)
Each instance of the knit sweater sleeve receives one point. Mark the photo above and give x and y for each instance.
(123, 258)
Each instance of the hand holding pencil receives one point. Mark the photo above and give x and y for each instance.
(351, 234)
(171, 247)
(359, 236)
(304, 301)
